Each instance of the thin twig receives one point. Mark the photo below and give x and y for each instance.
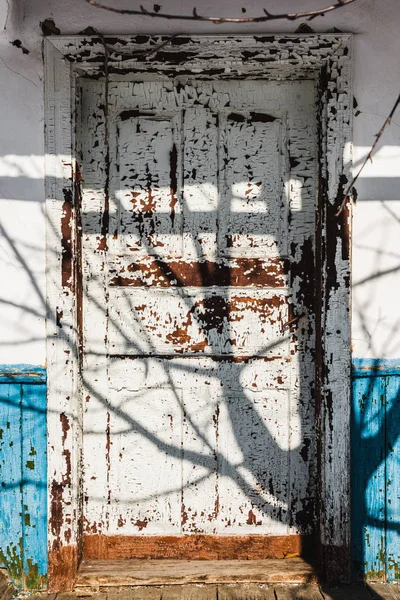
(267, 16)
(368, 157)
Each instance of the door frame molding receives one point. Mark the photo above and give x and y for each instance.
(323, 57)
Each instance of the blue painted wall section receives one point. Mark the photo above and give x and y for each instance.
(375, 465)
(23, 475)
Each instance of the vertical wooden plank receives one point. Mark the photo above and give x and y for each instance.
(138, 503)
(200, 491)
(245, 505)
(62, 322)
(368, 477)
(10, 481)
(34, 488)
(200, 176)
(333, 328)
(393, 477)
(97, 413)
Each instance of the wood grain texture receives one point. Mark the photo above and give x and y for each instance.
(350, 592)
(142, 593)
(72, 596)
(195, 547)
(63, 564)
(247, 591)
(168, 572)
(384, 591)
(9, 593)
(392, 475)
(298, 592)
(7, 589)
(4, 581)
(190, 592)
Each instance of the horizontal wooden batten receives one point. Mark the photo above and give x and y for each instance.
(22, 374)
(225, 358)
(375, 367)
(247, 272)
(195, 547)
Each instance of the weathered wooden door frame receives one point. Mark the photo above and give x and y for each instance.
(323, 57)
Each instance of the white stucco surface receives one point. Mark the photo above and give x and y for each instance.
(376, 253)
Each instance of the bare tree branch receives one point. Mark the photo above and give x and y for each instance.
(378, 136)
(267, 16)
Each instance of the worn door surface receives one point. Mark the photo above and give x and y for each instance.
(198, 219)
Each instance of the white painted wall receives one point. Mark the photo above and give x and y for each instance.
(376, 251)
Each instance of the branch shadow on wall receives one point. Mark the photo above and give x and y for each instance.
(264, 497)
(174, 363)
(266, 490)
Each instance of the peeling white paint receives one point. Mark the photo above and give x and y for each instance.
(189, 449)
(375, 257)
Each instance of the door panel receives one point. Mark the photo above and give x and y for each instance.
(192, 321)
(146, 216)
(253, 210)
(198, 215)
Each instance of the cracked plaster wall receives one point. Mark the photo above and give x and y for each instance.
(376, 254)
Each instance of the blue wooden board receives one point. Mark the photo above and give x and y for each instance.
(368, 478)
(23, 477)
(34, 487)
(393, 478)
(375, 465)
(11, 485)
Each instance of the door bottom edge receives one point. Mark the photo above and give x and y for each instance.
(196, 547)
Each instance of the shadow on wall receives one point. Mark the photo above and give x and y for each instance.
(224, 419)
(375, 450)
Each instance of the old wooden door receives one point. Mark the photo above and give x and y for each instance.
(198, 219)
